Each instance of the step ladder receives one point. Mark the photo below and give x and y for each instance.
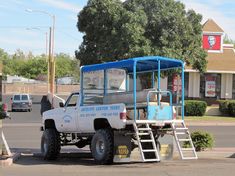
(182, 135)
(146, 142)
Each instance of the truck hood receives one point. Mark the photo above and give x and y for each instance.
(49, 113)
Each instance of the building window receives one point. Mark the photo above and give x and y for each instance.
(186, 83)
(170, 83)
(210, 85)
(233, 86)
(173, 84)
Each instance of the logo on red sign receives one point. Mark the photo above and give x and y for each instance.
(212, 42)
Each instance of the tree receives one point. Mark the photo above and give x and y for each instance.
(19, 55)
(35, 67)
(66, 66)
(228, 40)
(114, 30)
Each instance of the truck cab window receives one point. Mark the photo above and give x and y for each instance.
(72, 101)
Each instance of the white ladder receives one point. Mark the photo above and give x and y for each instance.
(182, 135)
(146, 142)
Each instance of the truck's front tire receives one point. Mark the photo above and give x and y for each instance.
(102, 146)
(50, 144)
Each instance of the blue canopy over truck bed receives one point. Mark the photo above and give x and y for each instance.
(134, 66)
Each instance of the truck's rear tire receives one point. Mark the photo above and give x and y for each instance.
(50, 144)
(102, 146)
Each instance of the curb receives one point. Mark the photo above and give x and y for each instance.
(10, 160)
(190, 123)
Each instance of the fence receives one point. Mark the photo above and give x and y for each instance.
(37, 88)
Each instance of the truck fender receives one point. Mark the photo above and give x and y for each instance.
(101, 123)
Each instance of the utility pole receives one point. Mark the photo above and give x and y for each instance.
(49, 63)
(51, 60)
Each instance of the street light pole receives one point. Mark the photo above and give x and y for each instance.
(49, 64)
(46, 44)
(51, 60)
(46, 35)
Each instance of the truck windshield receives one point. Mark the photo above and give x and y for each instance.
(17, 97)
(24, 97)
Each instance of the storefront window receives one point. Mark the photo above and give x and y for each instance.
(233, 86)
(174, 82)
(170, 84)
(186, 83)
(210, 85)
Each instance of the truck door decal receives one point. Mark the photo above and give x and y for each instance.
(67, 119)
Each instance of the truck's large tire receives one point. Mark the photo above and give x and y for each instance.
(102, 146)
(50, 144)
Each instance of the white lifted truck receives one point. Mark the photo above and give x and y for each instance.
(113, 114)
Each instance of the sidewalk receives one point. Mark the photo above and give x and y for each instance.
(208, 123)
(217, 153)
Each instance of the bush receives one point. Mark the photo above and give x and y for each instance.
(201, 140)
(225, 107)
(195, 108)
(231, 108)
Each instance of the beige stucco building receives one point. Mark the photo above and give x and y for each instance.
(219, 80)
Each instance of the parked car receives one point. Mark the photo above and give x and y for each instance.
(4, 111)
(21, 102)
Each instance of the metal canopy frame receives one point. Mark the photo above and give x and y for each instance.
(138, 65)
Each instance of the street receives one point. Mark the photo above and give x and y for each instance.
(77, 166)
(23, 136)
(22, 130)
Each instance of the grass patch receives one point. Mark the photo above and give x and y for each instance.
(209, 118)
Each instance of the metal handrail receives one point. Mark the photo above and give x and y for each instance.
(159, 91)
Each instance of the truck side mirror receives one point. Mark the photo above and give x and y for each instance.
(61, 104)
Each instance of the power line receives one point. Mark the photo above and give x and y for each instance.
(57, 27)
(69, 35)
(13, 27)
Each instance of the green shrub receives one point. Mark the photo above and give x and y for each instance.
(201, 140)
(223, 106)
(195, 108)
(231, 108)
(227, 107)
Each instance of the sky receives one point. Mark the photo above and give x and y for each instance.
(27, 31)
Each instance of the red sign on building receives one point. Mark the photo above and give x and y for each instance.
(212, 42)
(176, 83)
(210, 86)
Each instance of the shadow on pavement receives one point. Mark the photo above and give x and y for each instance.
(31, 157)
(232, 156)
(25, 150)
(64, 159)
(83, 159)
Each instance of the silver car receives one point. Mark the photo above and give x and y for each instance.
(21, 102)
